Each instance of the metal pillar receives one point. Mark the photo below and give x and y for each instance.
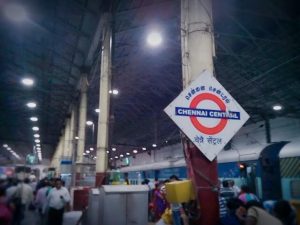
(104, 101)
(197, 55)
(73, 125)
(67, 139)
(82, 125)
(59, 154)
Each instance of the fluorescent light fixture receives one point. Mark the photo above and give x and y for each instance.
(107, 152)
(95, 157)
(116, 157)
(154, 39)
(34, 119)
(8, 148)
(113, 149)
(38, 148)
(89, 123)
(92, 149)
(154, 145)
(87, 151)
(135, 151)
(121, 155)
(36, 135)
(38, 145)
(127, 153)
(37, 141)
(35, 128)
(97, 110)
(5, 145)
(111, 158)
(144, 149)
(27, 81)
(31, 105)
(76, 138)
(277, 107)
(110, 91)
(115, 92)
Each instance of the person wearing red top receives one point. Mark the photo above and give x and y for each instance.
(5, 211)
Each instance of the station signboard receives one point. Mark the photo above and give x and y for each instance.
(207, 114)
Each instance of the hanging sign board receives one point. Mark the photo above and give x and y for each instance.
(207, 114)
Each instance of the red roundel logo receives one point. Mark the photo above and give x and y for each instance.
(204, 129)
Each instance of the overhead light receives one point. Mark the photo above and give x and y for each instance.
(110, 91)
(107, 152)
(34, 119)
(87, 151)
(38, 145)
(154, 145)
(277, 107)
(135, 151)
(36, 135)
(154, 39)
(76, 138)
(83, 154)
(35, 128)
(116, 157)
(8, 148)
(15, 12)
(92, 149)
(121, 155)
(37, 141)
(38, 148)
(115, 92)
(144, 149)
(5, 145)
(31, 105)
(113, 149)
(89, 123)
(127, 153)
(111, 158)
(95, 157)
(27, 81)
(97, 110)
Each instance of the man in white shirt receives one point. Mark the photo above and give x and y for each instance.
(57, 198)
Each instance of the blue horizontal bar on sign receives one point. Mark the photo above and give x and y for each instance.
(66, 162)
(208, 113)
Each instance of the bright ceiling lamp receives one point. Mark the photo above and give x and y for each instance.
(277, 107)
(5, 146)
(35, 128)
(144, 149)
(15, 12)
(116, 157)
(89, 123)
(34, 119)
(92, 149)
(87, 151)
(8, 148)
(36, 135)
(107, 152)
(154, 145)
(38, 145)
(154, 39)
(113, 149)
(76, 138)
(37, 141)
(97, 110)
(127, 153)
(135, 151)
(38, 148)
(115, 92)
(27, 81)
(31, 105)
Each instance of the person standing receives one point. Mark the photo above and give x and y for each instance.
(57, 199)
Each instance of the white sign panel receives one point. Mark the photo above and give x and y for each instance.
(207, 114)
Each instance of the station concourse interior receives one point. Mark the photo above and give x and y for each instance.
(88, 107)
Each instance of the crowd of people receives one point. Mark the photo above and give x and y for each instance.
(46, 199)
(238, 206)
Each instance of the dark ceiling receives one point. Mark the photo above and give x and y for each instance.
(257, 60)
